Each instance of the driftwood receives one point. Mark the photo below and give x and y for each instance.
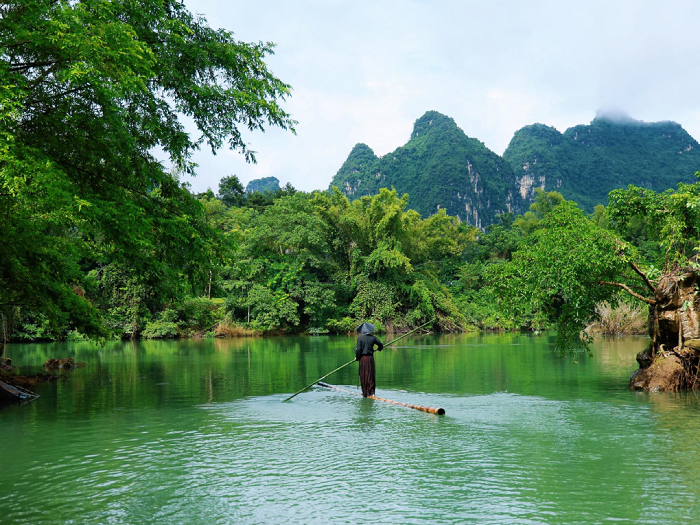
(15, 394)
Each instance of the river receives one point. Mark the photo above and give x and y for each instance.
(194, 431)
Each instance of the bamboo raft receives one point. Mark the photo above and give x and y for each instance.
(351, 362)
(431, 410)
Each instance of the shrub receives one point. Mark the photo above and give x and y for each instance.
(34, 327)
(75, 336)
(272, 310)
(198, 314)
(342, 326)
(228, 328)
(160, 330)
(623, 319)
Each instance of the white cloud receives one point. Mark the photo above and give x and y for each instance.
(365, 71)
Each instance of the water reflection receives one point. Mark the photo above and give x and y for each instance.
(195, 431)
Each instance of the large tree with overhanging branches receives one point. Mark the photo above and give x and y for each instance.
(569, 264)
(89, 91)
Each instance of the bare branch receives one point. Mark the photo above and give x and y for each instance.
(643, 276)
(30, 65)
(629, 291)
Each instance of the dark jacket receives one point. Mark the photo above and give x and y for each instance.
(365, 345)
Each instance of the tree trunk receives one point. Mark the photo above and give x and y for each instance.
(671, 361)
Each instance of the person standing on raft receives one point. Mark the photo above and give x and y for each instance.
(364, 353)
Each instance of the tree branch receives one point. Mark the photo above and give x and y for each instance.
(29, 65)
(33, 102)
(629, 291)
(643, 276)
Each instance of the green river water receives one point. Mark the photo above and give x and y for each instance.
(195, 432)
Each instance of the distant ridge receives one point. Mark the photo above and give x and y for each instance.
(441, 167)
(586, 162)
(264, 184)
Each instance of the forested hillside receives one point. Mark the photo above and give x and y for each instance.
(440, 168)
(264, 184)
(587, 162)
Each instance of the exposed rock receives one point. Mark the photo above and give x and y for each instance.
(672, 360)
(64, 364)
(692, 346)
(645, 357)
(665, 374)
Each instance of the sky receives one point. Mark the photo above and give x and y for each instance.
(365, 71)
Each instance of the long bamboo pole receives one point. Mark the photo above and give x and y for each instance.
(438, 411)
(351, 362)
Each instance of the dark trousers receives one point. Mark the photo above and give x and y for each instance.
(367, 375)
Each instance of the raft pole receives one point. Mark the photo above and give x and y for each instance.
(351, 362)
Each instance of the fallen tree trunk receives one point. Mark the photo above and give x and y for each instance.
(14, 394)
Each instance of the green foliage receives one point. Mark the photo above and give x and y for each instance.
(544, 203)
(557, 276)
(36, 327)
(345, 325)
(318, 260)
(100, 239)
(373, 299)
(88, 90)
(441, 168)
(271, 310)
(193, 316)
(231, 191)
(671, 217)
(570, 268)
(196, 315)
(477, 301)
(125, 297)
(587, 162)
(160, 330)
(266, 184)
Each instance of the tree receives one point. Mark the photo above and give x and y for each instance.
(673, 219)
(390, 257)
(88, 90)
(320, 262)
(231, 191)
(569, 264)
(557, 274)
(544, 203)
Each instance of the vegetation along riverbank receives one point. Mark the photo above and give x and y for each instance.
(100, 239)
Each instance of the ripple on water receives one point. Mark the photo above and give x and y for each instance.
(330, 457)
